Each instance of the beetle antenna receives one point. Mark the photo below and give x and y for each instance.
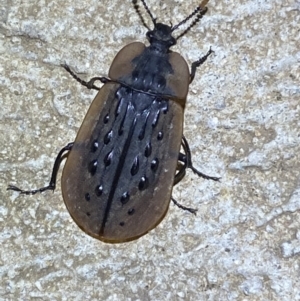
(199, 12)
(149, 12)
(137, 9)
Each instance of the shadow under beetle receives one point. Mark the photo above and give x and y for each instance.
(120, 170)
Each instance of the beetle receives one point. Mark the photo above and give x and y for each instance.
(120, 170)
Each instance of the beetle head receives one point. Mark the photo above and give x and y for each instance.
(161, 36)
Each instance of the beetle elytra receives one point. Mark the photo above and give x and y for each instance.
(120, 170)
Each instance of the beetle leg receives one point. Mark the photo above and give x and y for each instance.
(198, 63)
(90, 84)
(187, 159)
(181, 167)
(191, 210)
(52, 183)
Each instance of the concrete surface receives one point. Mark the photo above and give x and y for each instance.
(242, 121)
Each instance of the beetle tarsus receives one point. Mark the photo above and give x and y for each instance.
(52, 182)
(202, 175)
(191, 210)
(51, 186)
(198, 63)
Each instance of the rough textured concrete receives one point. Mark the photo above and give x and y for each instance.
(242, 121)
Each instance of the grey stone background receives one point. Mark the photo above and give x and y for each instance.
(242, 121)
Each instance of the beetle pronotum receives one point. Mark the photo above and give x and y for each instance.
(120, 170)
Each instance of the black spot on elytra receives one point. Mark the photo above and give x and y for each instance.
(95, 146)
(106, 119)
(131, 211)
(143, 129)
(87, 197)
(155, 120)
(107, 137)
(144, 183)
(141, 134)
(160, 136)
(122, 224)
(119, 106)
(135, 166)
(108, 158)
(148, 149)
(154, 165)
(165, 108)
(93, 167)
(125, 198)
(99, 190)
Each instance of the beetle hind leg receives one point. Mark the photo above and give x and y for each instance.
(184, 162)
(191, 210)
(52, 183)
(186, 158)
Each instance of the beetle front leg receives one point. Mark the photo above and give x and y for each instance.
(91, 83)
(198, 63)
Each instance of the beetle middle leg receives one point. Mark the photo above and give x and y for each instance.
(198, 63)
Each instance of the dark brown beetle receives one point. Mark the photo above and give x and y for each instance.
(118, 178)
